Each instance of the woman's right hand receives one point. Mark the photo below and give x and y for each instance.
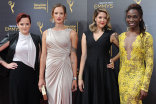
(41, 83)
(11, 65)
(81, 85)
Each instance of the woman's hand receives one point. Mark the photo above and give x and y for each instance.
(41, 83)
(143, 94)
(74, 85)
(111, 65)
(81, 84)
(11, 65)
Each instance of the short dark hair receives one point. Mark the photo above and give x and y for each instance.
(139, 9)
(22, 15)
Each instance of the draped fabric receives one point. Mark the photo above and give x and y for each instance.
(58, 73)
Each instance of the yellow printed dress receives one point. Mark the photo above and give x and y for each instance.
(135, 73)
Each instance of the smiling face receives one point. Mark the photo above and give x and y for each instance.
(133, 18)
(24, 25)
(101, 19)
(59, 15)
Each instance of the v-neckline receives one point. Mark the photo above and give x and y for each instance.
(98, 38)
(132, 46)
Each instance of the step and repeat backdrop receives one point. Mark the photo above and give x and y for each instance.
(79, 16)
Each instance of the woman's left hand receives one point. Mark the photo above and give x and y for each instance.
(74, 85)
(111, 65)
(143, 94)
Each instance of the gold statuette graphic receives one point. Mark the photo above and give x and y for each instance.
(138, 2)
(70, 4)
(12, 5)
(40, 26)
(44, 93)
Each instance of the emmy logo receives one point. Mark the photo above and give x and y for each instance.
(40, 26)
(138, 2)
(70, 4)
(12, 5)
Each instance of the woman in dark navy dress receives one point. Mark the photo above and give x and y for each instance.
(98, 82)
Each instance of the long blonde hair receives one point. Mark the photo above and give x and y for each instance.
(93, 26)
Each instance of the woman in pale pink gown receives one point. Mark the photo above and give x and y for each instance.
(58, 68)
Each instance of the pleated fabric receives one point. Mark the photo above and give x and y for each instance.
(58, 73)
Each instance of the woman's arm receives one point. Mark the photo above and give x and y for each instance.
(148, 42)
(83, 60)
(43, 61)
(114, 39)
(2, 62)
(73, 56)
(40, 50)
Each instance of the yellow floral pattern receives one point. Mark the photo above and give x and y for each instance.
(135, 74)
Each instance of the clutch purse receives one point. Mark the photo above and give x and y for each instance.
(44, 93)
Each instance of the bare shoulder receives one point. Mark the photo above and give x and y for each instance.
(73, 34)
(45, 32)
(114, 34)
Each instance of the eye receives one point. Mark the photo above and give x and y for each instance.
(61, 13)
(27, 23)
(100, 17)
(135, 17)
(21, 24)
(56, 13)
(105, 18)
(128, 16)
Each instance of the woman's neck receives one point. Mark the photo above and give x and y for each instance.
(25, 33)
(98, 30)
(59, 27)
(135, 30)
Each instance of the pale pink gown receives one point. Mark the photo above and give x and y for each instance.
(58, 72)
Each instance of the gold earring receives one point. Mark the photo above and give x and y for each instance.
(140, 19)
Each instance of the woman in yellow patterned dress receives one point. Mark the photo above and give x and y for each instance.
(136, 58)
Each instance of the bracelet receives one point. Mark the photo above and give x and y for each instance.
(74, 78)
(80, 77)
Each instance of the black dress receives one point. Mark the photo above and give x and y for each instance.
(100, 82)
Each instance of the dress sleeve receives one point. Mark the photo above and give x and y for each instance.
(148, 43)
(120, 51)
(6, 39)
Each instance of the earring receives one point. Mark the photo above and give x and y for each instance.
(140, 19)
(53, 21)
(64, 21)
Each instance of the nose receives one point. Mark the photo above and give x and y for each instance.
(131, 19)
(103, 19)
(59, 15)
(24, 26)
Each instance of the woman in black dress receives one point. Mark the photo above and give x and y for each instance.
(22, 59)
(97, 80)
